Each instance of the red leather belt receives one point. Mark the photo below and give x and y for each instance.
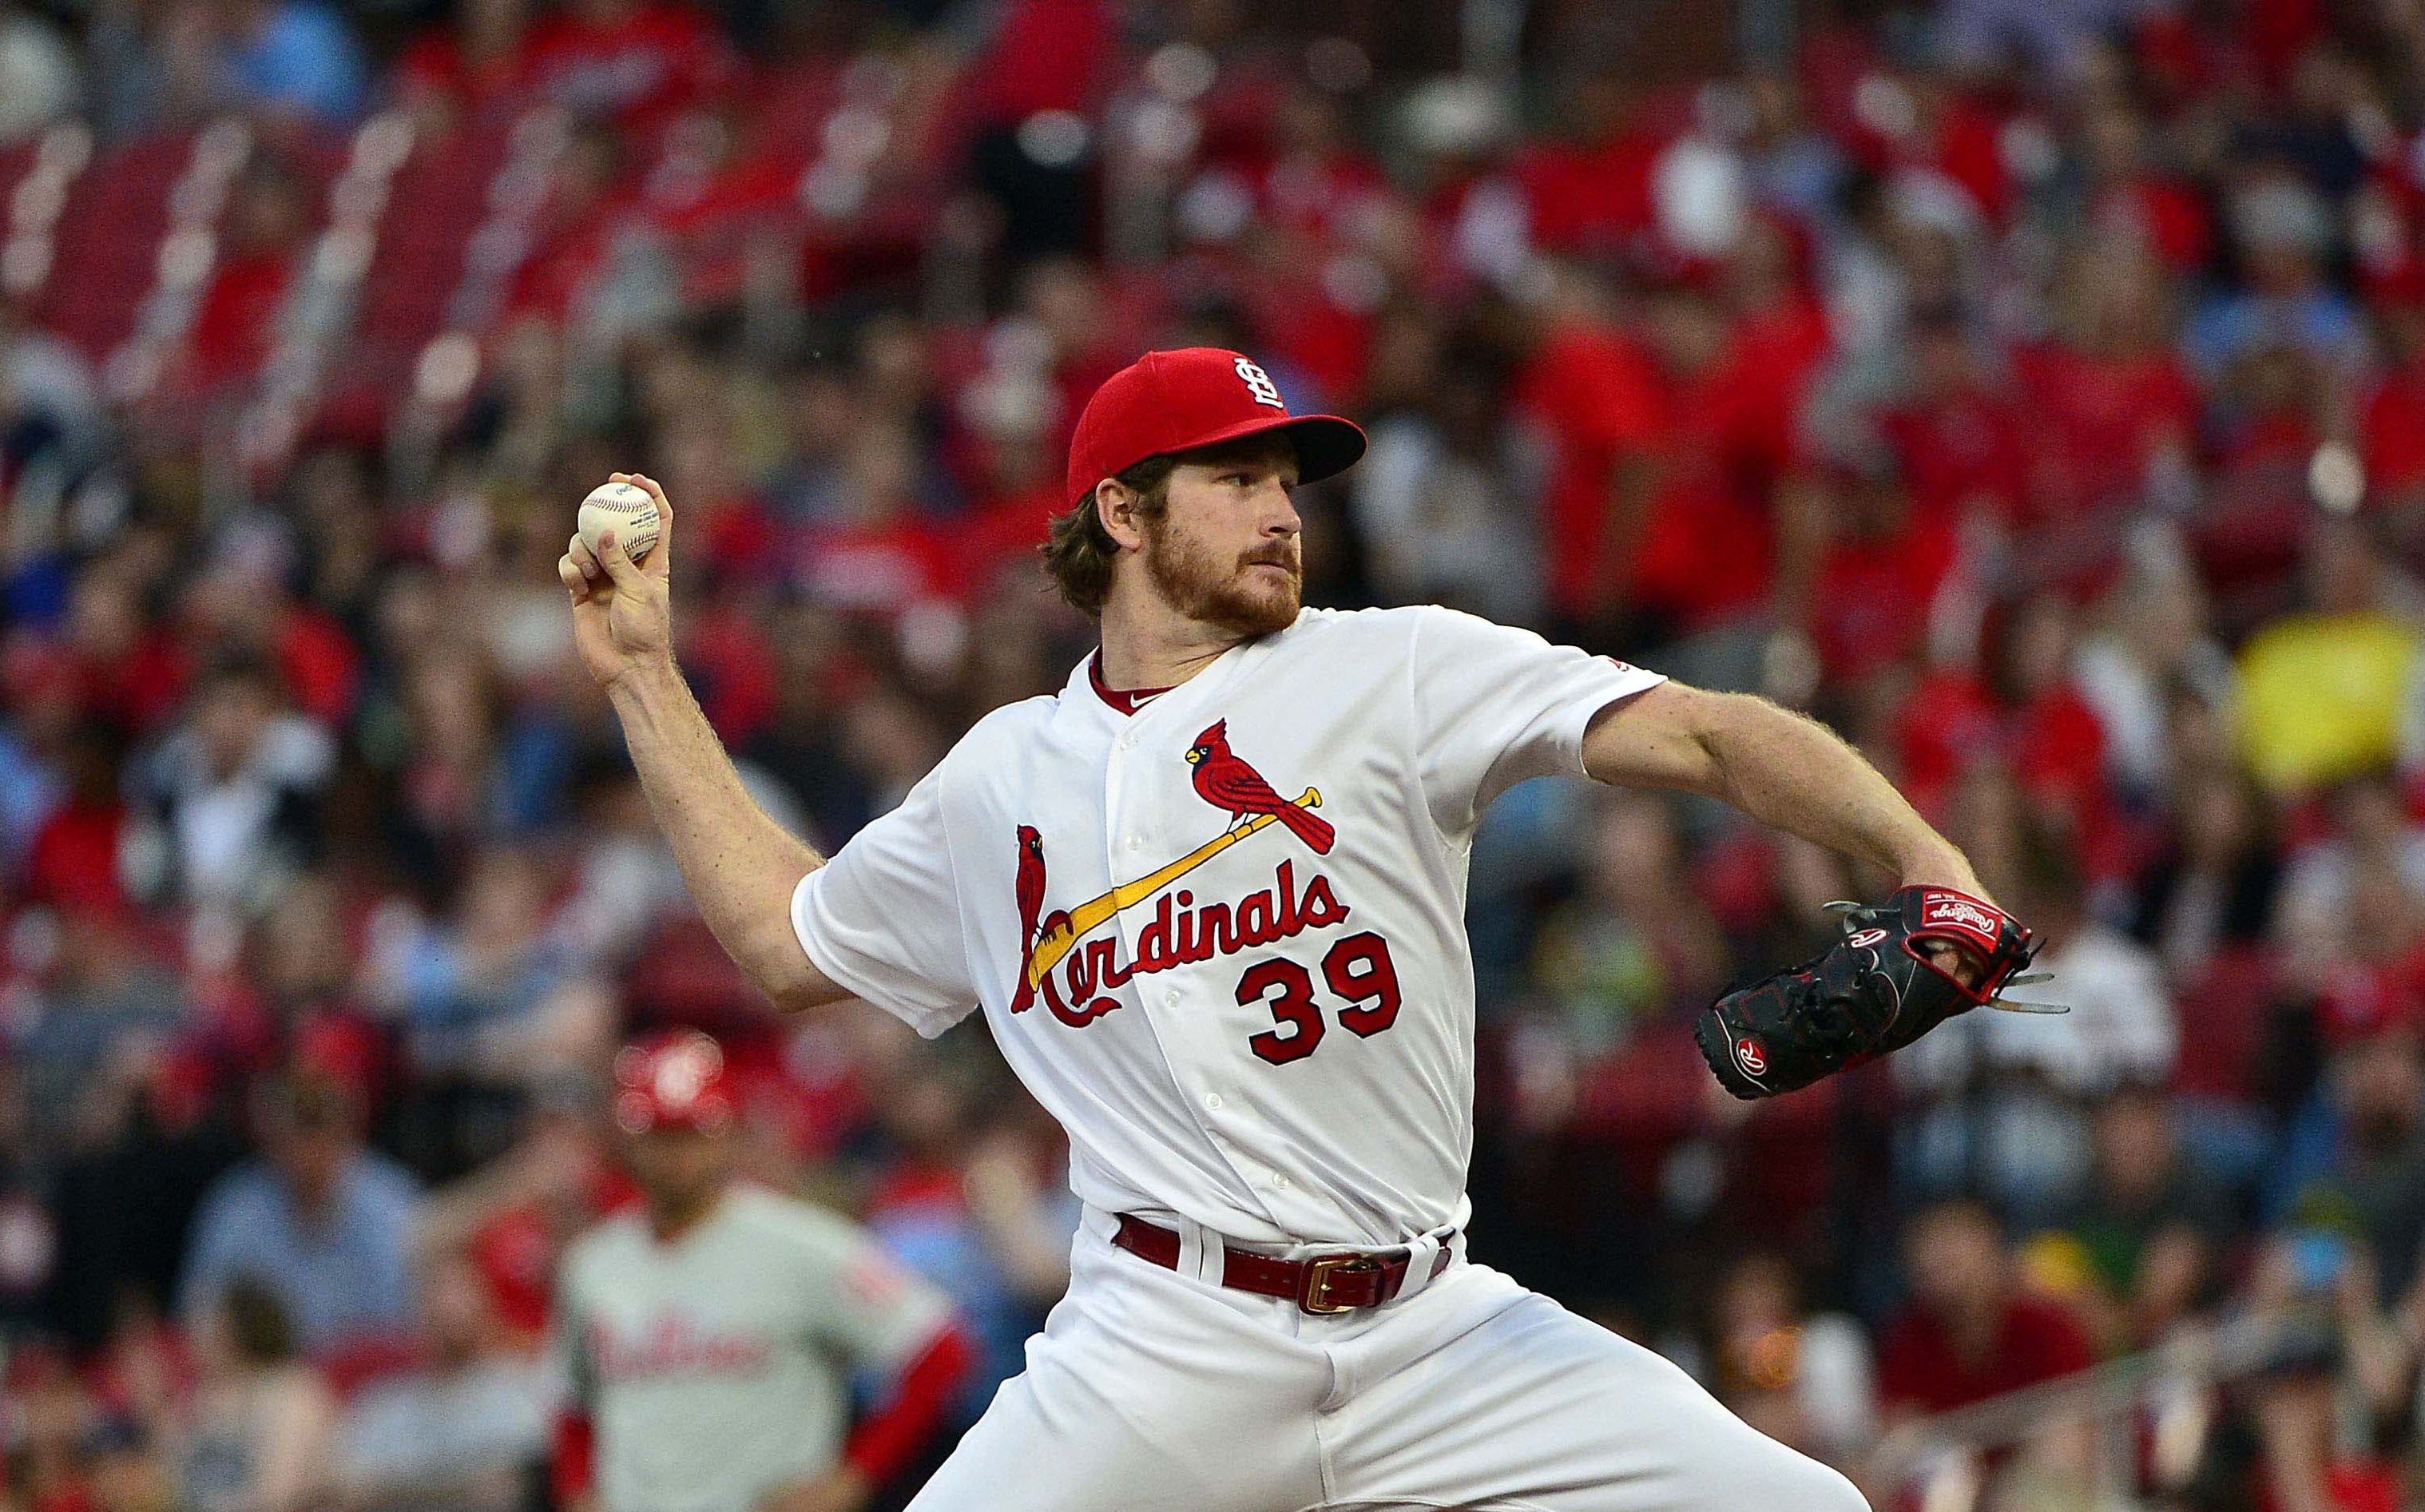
(1325, 1283)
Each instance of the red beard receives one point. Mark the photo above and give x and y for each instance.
(1230, 595)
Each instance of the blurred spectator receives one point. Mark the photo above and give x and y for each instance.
(2011, 1090)
(263, 1433)
(512, 1219)
(482, 58)
(2354, 1161)
(50, 412)
(1595, 398)
(2322, 690)
(2214, 888)
(2154, 646)
(76, 860)
(965, 1205)
(235, 791)
(321, 1225)
(242, 312)
(2113, 405)
(127, 1472)
(1802, 1377)
(41, 77)
(463, 1430)
(2151, 1229)
(1635, 943)
(2283, 229)
(1969, 1332)
(293, 55)
(2340, 1376)
(491, 996)
(1446, 503)
(107, 1002)
(632, 62)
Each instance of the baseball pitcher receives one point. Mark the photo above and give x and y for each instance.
(1210, 897)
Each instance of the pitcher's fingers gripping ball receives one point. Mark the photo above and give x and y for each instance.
(626, 508)
(1874, 991)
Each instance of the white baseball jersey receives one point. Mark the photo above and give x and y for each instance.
(1221, 938)
(715, 1367)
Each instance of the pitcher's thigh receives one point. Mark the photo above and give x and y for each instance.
(1183, 1422)
(1539, 1411)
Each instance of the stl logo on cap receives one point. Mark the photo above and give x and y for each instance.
(1167, 402)
(1259, 384)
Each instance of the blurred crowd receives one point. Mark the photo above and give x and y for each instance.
(2035, 392)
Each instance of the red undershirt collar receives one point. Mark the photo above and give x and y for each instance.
(1125, 701)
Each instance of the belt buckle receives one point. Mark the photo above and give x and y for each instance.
(1315, 1296)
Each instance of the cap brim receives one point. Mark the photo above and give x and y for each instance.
(1326, 446)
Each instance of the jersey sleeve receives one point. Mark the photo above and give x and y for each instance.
(882, 919)
(1494, 706)
(871, 1310)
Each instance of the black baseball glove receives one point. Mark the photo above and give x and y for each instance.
(1873, 992)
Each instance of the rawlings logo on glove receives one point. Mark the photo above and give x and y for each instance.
(1876, 991)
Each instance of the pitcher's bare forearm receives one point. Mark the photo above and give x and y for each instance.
(742, 866)
(1787, 771)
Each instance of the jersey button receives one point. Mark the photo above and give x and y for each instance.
(1212, 1102)
(1136, 842)
(1170, 999)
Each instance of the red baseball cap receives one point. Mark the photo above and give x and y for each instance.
(1177, 401)
(672, 1080)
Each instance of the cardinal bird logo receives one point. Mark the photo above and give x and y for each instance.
(1225, 781)
(1032, 922)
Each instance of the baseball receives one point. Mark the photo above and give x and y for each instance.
(625, 508)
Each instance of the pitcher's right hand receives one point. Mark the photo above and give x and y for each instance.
(622, 611)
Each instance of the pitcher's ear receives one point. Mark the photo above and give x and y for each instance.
(1116, 505)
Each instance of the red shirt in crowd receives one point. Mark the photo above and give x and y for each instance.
(2351, 1485)
(2392, 432)
(880, 567)
(1706, 543)
(1919, 1369)
(1597, 397)
(72, 862)
(436, 64)
(318, 662)
(141, 690)
(2096, 421)
(1589, 196)
(1958, 452)
(2159, 215)
(1876, 592)
(2052, 742)
(238, 315)
(516, 1252)
(1047, 55)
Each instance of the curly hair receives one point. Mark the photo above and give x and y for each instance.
(1079, 551)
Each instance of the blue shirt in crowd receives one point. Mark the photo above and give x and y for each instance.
(347, 1276)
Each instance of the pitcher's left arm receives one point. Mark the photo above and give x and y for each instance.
(1784, 769)
(1936, 948)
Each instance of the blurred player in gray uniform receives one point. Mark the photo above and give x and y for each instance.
(708, 1338)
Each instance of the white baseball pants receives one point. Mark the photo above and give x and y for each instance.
(1156, 1391)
